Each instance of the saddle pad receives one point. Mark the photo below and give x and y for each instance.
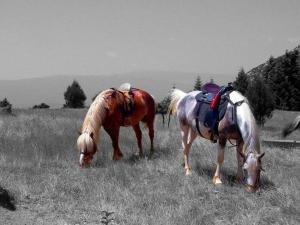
(208, 116)
(211, 88)
(125, 87)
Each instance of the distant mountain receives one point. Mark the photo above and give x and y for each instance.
(25, 93)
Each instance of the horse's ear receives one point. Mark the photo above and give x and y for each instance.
(242, 155)
(261, 155)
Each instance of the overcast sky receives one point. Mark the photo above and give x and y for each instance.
(53, 37)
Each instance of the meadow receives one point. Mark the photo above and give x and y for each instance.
(41, 182)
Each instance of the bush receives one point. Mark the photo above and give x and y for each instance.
(5, 106)
(41, 106)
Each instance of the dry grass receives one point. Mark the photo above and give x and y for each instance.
(39, 175)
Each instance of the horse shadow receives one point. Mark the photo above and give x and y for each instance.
(7, 200)
(228, 176)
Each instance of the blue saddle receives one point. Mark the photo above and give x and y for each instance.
(205, 114)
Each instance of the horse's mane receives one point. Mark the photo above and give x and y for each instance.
(95, 115)
(250, 136)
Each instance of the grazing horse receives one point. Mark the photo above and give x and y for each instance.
(111, 109)
(243, 129)
(291, 127)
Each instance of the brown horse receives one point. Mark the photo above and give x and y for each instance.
(111, 109)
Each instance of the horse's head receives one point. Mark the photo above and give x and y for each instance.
(251, 170)
(87, 148)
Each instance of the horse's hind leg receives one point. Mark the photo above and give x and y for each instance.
(220, 160)
(151, 134)
(138, 134)
(188, 136)
(114, 135)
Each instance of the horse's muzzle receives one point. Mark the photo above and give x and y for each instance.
(250, 188)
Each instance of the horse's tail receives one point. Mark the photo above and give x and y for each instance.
(291, 127)
(176, 94)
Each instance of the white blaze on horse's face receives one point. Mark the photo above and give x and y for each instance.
(251, 171)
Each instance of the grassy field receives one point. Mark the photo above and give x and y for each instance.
(41, 182)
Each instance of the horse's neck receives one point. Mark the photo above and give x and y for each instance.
(95, 118)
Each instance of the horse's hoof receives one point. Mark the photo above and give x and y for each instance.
(188, 171)
(117, 157)
(216, 180)
(238, 179)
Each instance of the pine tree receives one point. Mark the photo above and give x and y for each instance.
(261, 99)
(283, 76)
(74, 96)
(242, 81)
(198, 84)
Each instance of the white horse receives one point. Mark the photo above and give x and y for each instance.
(243, 129)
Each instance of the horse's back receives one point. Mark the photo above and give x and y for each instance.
(186, 107)
(144, 102)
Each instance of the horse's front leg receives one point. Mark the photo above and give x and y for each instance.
(188, 136)
(240, 161)
(138, 134)
(113, 132)
(220, 160)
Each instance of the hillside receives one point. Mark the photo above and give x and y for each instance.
(25, 93)
(259, 69)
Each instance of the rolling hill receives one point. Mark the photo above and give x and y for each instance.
(25, 93)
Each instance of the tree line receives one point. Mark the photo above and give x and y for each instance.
(272, 85)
